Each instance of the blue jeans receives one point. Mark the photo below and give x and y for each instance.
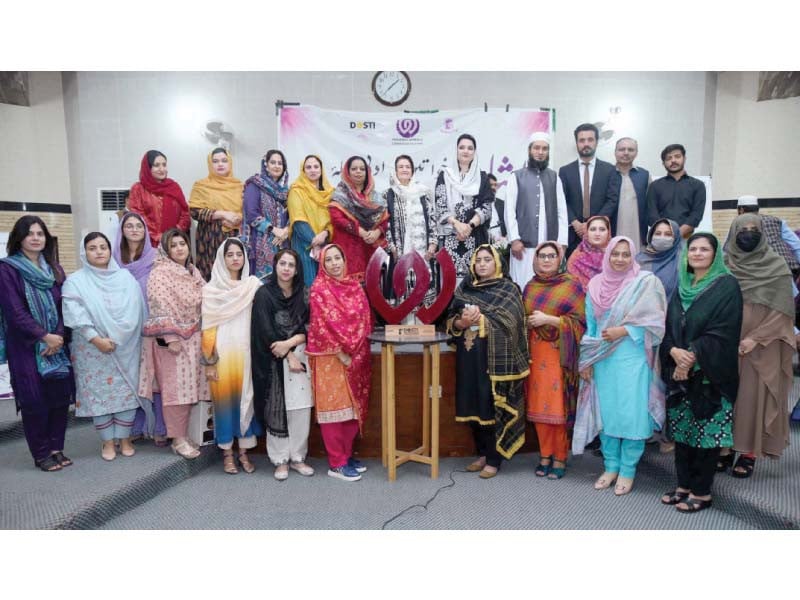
(621, 455)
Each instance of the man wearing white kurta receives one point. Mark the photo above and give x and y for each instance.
(535, 209)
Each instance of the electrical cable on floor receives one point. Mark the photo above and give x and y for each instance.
(431, 499)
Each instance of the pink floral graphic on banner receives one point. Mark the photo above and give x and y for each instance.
(531, 122)
(294, 120)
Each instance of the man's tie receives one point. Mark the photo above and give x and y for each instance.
(586, 206)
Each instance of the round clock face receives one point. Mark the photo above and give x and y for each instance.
(391, 88)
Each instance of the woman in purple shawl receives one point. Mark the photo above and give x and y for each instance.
(133, 253)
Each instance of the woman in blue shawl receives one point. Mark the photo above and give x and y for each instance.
(660, 255)
(104, 308)
(32, 340)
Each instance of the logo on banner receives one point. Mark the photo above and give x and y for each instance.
(407, 128)
(362, 124)
(448, 126)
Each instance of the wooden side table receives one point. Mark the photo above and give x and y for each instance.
(428, 453)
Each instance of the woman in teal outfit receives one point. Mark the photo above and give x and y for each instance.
(621, 393)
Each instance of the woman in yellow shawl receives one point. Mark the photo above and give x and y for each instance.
(216, 204)
(309, 220)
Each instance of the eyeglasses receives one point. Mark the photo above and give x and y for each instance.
(134, 226)
(547, 256)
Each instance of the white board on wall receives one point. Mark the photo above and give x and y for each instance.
(705, 222)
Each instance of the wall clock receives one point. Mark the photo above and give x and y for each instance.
(391, 88)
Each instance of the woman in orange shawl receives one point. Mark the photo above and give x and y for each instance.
(555, 315)
(216, 204)
(339, 356)
(359, 216)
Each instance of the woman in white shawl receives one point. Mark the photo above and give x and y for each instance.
(103, 306)
(463, 205)
(227, 302)
(412, 224)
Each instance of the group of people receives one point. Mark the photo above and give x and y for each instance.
(268, 318)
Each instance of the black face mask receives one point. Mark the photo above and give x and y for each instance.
(748, 240)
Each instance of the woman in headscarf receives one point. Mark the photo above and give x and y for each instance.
(133, 252)
(586, 260)
(104, 308)
(265, 212)
(358, 215)
(281, 380)
(660, 255)
(32, 340)
(761, 415)
(412, 224)
(216, 204)
(227, 305)
(171, 348)
(339, 356)
(309, 219)
(487, 320)
(699, 359)
(158, 199)
(463, 199)
(625, 312)
(554, 313)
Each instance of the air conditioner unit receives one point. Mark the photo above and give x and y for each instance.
(111, 205)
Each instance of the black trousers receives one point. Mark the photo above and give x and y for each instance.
(695, 468)
(485, 444)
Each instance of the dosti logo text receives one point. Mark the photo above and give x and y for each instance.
(362, 124)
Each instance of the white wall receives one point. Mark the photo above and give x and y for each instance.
(756, 143)
(34, 142)
(113, 118)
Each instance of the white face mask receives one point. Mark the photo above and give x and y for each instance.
(662, 244)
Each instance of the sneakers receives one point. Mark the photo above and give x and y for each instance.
(345, 473)
(357, 465)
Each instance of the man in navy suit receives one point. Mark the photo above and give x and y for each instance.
(589, 186)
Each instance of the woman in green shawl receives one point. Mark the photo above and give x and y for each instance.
(700, 368)
(487, 320)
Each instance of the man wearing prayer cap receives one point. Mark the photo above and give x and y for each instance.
(535, 209)
(632, 182)
(589, 185)
(779, 236)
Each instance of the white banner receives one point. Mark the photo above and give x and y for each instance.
(428, 138)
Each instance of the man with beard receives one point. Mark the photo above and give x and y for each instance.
(632, 182)
(677, 195)
(535, 209)
(589, 185)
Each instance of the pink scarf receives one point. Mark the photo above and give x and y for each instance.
(606, 285)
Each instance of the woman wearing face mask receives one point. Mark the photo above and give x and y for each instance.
(265, 212)
(309, 219)
(625, 312)
(761, 414)
(586, 260)
(32, 337)
(554, 308)
(104, 308)
(171, 348)
(412, 223)
(227, 303)
(699, 360)
(358, 215)
(463, 199)
(157, 198)
(280, 375)
(660, 256)
(487, 319)
(216, 204)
